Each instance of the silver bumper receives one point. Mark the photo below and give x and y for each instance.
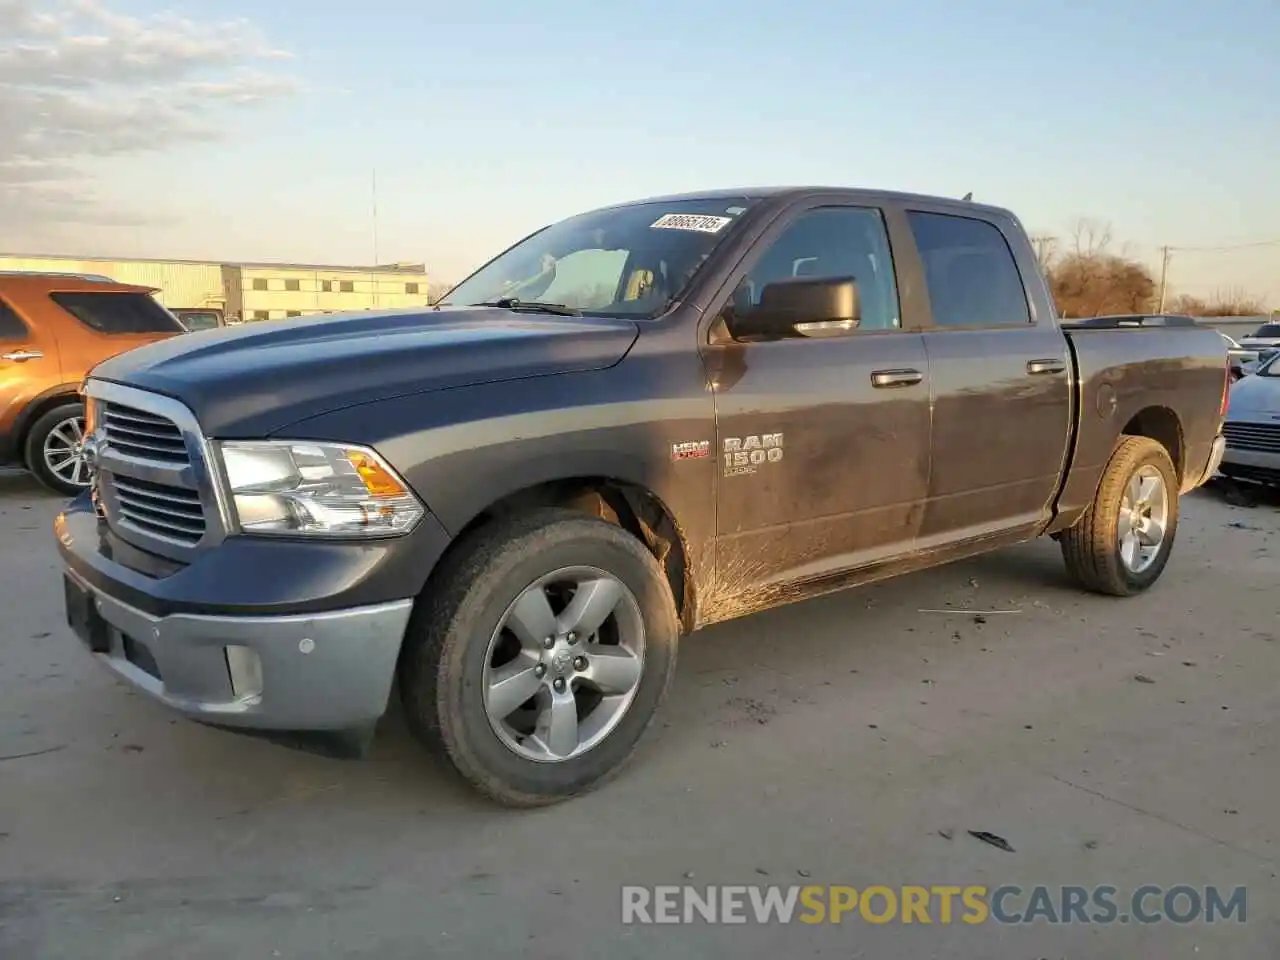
(312, 672)
(1216, 452)
(1258, 459)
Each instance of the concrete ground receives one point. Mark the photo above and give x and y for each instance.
(850, 740)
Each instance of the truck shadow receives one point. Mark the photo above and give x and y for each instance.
(747, 670)
(1238, 494)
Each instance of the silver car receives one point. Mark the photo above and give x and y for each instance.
(1266, 337)
(1252, 429)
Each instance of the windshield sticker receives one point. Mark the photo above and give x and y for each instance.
(698, 222)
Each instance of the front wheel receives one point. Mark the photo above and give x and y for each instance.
(539, 656)
(1122, 543)
(53, 450)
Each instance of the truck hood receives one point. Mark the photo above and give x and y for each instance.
(253, 380)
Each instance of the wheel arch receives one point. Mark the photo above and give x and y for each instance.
(1162, 425)
(36, 408)
(627, 503)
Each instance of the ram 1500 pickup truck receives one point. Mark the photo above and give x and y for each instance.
(629, 425)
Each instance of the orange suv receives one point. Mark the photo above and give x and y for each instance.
(53, 329)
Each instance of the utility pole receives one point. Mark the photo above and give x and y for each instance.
(376, 301)
(1164, 272)
(375, 216)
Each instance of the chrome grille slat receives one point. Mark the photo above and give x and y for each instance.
(185, 530)
(141, 432)
(151, 507)
(149, 451)
(119, 412)
(163, 499)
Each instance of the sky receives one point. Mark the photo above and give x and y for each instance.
(233, 130)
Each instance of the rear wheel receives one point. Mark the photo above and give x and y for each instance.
(53, 449)
(1122, 543)
(540, 655)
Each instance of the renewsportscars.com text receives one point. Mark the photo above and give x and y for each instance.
(938, 904)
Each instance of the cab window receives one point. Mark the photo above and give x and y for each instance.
(830, 243)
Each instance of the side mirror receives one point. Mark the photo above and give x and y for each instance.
(800, 307)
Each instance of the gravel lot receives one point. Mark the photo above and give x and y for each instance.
(834, 742)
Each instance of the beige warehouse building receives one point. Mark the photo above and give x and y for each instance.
(251, 291)
(275, 291)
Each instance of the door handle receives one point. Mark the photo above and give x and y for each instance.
(22, 356)
(1051, 365)
(896, 378)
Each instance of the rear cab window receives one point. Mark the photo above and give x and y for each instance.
(118, 313)
(971, 274)
(12, 329)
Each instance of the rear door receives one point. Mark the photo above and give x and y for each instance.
(1000, 385)
(29, 364)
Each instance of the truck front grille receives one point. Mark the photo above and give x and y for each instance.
(1258, 437)
(158, 509)
(144, 435)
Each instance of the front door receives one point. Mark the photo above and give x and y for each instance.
(823, 442)
(999, 384)
(29, 365)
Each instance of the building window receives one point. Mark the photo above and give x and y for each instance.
(326, 286)
(410, 288)
(293, 313)
(260, 283)
(261, 315)
(347, 286)
(294, 285)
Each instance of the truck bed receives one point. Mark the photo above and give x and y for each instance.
(1173, 382)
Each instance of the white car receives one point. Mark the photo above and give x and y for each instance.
(1252, 428)
(1265, 337)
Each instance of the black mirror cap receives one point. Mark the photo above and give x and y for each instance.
(801, 307)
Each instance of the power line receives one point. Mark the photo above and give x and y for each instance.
(1230, 246)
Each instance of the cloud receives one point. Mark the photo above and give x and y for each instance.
(80, 82)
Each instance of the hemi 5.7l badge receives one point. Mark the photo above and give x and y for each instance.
(746, 454)
(691, 450)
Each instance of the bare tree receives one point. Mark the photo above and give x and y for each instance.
(1090, 236)
(1046, 248)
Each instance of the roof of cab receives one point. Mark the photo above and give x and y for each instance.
(783, 193)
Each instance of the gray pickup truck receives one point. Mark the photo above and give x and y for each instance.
(629, 425)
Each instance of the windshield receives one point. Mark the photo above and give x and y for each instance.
(198, 321)
(629, 261)
(1269, 367)
(1268, 330)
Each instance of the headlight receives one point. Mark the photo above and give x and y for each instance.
(318, 489)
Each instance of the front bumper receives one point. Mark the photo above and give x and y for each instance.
(255, 634)
(1255, 461)
(309, 672)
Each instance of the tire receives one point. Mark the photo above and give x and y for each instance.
(1092, 548)
(42, 432)
(442, 673)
